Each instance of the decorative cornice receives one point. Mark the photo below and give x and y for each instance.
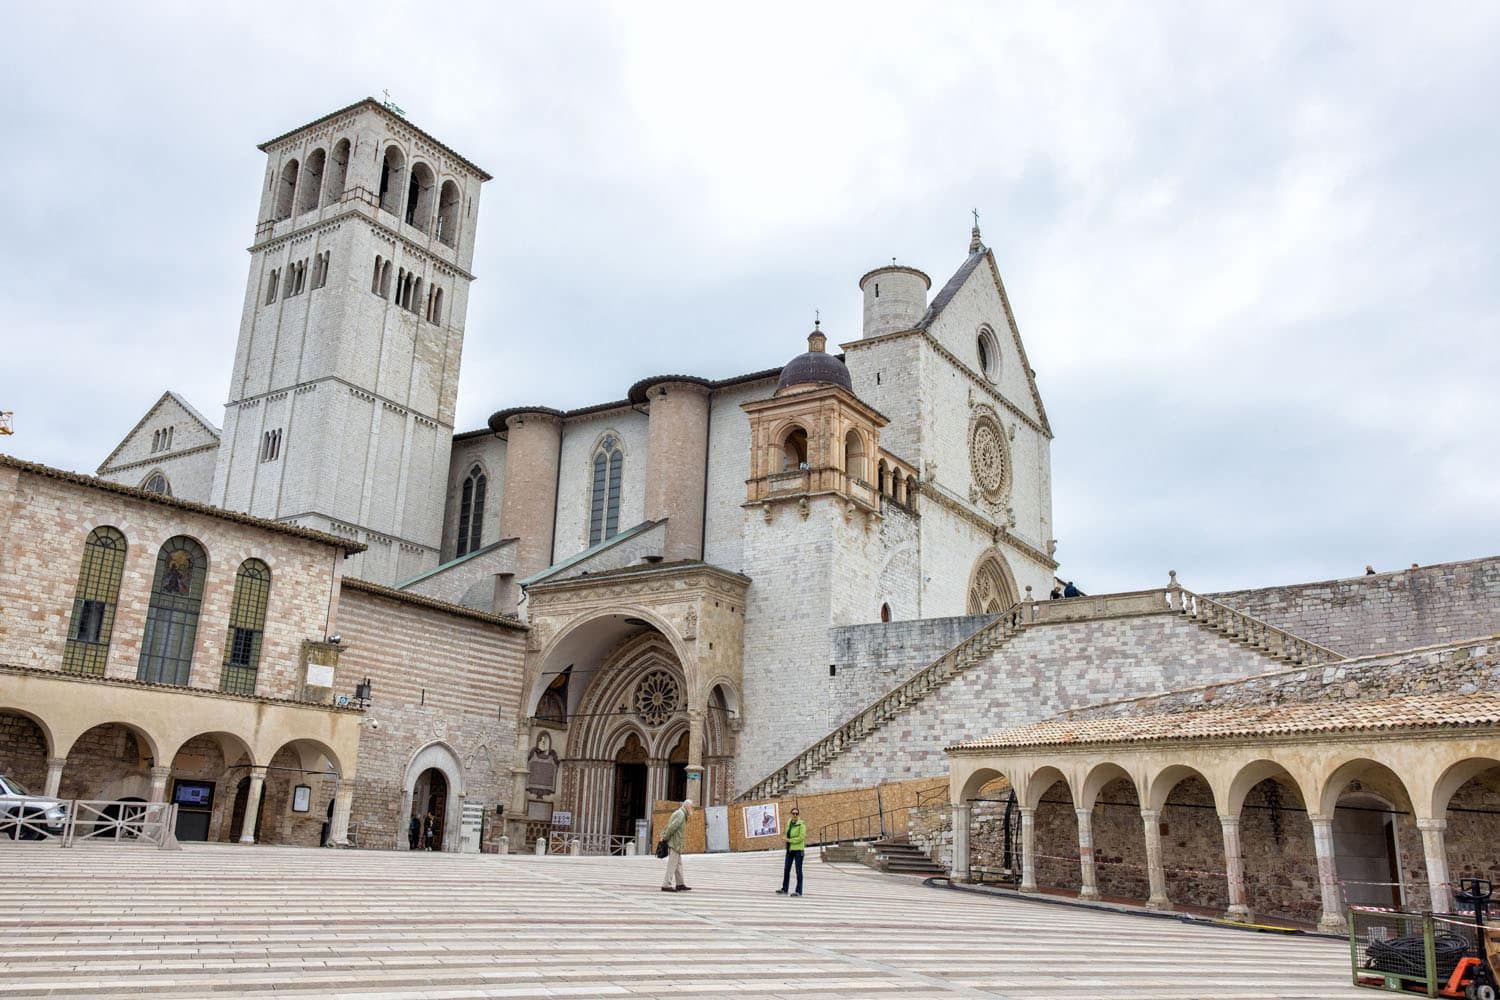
(1000, 534)
(414, 248)
(157, 459)
(337, 380)
(396, 121)
(11, 668)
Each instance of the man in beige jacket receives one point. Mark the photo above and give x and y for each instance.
(674, 836)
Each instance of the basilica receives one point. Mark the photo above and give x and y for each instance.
(334, 617)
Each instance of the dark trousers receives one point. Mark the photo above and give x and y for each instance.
(792, 857)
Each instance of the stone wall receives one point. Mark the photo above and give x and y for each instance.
(23, 751)
(871, 659)
(1463, 668)
(575, 480)
(447, 678)
(1040, 672)
(1362, 615)
(42, 547)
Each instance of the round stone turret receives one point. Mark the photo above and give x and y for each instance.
(895, 299)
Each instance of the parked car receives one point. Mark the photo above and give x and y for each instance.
(25, 816)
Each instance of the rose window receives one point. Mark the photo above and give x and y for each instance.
(989, 457)
(656, 698)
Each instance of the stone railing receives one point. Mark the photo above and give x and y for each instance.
(931, 677)
(1251, 631)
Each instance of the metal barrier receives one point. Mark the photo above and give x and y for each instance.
(153, 823)
(597, 844)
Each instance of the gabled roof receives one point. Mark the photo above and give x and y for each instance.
(590, 552)
(1425, 711)
(984, 255)
(187, 407)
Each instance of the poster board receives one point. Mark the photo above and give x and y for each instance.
(762, 820)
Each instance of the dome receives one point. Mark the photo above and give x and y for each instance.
(816, 367)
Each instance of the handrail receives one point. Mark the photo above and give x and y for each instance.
(94, 819)
(879, 833)
(861, 722)
(1231, 621)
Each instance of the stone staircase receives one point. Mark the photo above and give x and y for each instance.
(1276, 643)
(960, 658)
(898, 857)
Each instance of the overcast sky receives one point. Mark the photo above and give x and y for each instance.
(1254, 259)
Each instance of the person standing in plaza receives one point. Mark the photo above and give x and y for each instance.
(796, 848)
(413, 832)
(674, 835)
(429, 833)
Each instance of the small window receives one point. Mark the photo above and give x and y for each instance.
(885, 612)
(320, 268)
(988, 353)
(794, 450)
(157, 483)
(375, 277)
(270, 445)
(271, 283)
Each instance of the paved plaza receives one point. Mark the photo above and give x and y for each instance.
(227, 921)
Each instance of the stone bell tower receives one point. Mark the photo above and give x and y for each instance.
(341, 404)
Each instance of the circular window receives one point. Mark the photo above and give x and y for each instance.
(656, 698)
(989, 456)
(989, 354)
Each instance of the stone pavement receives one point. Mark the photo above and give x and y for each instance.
(102, 921)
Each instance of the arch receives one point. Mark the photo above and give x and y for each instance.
(385, 280)
(95, 598)
(1038, 782)
(435, 315)
(992, 586)
(1252, 774)
(608, 463)
(308, 751)
(1454, 777)
(234, 747)
(157, 482)
(792, 444)
(987, 351)
(49, 742)
(882, 479)
(375, 276)
(977, 779)
(419, 196)
(172, 616)
(1099, 776)
(471, 510)
(337, 172)
(440, 755)
(312, 180)
(727, 692)
(247, 624)
(286, 190)
(447, 214)
(885, 611)
(1159, 786)
(392, 179)
(854, 456)
(594, 621)
(911, 492)
(1362, 769)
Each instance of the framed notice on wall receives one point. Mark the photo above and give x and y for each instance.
(762, 820)
(302, 798)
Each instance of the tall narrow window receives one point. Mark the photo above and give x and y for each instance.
(247, 624)
(285, 190)
(94, 602)
(172, 618)
(471, 511)
(312, 181)
(320, 269)
(385, 280)
(604, 504)
(375, 278)
(337, 172)
(271, 283)
(447, 217)
(392, 180)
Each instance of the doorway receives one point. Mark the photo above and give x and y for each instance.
(429, 798)
(677, 762)
(1364, 845)
(630, 787)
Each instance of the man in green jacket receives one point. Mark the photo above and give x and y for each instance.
(796, 847)
(673, 835)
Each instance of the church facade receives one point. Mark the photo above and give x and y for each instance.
(681, 554)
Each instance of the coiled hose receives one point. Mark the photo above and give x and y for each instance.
(1405, 954)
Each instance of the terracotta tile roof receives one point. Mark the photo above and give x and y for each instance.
(35, 468)
(1412, 712)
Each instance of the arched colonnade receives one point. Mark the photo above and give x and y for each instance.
(1366, 821)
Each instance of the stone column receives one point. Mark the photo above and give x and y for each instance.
(961, 842)
(1028, 850)
(1234, 866)
(252, 804)
(1154, 871)
(1435, 846)
(1332, 919)
(1090, 884)
(677, 464)
(695, 758)
(159, 776)
(343, 799)
(54, 776)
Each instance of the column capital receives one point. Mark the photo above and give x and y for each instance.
(961, 807)
(1083, 814)
(161, 771)
(1026, 811)
(1318, 819)
(1438, 825)
(259, 772)
(1149, 815)
(56, 761)
(1229, 822)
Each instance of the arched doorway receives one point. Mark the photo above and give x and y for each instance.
(630, 786)
(992, 586)
(677, 762)
(1364, 843)
(231, 833)
(429, 803)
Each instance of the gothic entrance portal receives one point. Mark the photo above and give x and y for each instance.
(429, 802)
(630, 786)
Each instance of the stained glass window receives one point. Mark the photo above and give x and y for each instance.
(471, 511)
(172, 619)
(247, 624)
(94, 602)
(604, 501)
